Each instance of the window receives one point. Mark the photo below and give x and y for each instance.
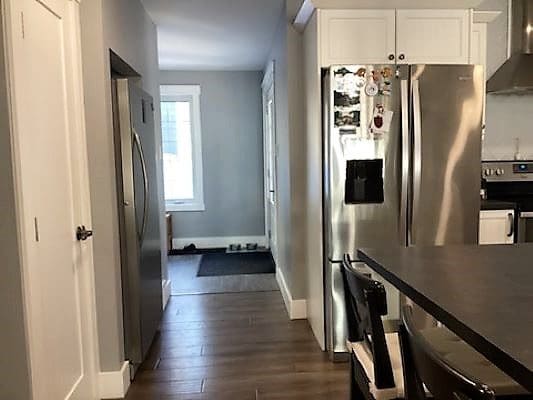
(182, 147)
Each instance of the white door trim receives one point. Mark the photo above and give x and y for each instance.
(12, 12)
(267, 85)
(114, 384)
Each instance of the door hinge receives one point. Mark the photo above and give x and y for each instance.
(22, 27)
(36, 228)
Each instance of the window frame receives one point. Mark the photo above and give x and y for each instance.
(171, 93)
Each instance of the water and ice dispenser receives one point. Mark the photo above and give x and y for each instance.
(364, 182)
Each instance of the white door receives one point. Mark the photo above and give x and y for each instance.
(358, 37)
(270, 156)
(53, 195)
(433, 36)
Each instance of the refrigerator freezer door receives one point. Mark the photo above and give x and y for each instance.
(139, 215)
(335, 308)
(376, 220)
(447, 104)
(356, 214)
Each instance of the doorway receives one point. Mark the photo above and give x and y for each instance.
(213, 155)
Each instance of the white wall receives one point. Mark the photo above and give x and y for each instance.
(124, 27)
(508, 116)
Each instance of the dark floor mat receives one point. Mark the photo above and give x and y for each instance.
(236, 264)
(183, 252)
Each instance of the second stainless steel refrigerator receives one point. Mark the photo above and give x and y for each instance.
(135, 149)
(402, 152)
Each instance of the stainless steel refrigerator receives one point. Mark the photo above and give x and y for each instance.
(135, 150)
(402, 156)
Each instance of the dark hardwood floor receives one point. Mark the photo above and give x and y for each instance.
(238, 346)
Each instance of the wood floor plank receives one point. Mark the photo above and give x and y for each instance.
(238, 346)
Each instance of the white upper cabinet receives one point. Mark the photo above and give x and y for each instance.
(478, 47)
(395, 36)
(358, 36)
(433, 36)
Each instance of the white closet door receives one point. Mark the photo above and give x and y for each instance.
(52, 190)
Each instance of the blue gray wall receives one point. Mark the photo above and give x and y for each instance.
(232, 153)
(287, 54)
(124, 27)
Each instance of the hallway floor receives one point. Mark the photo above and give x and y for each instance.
(183, 270)
(238, 346)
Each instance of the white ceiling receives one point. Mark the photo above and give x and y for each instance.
(214, 34)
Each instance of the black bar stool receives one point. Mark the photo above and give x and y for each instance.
(377, 367)
(425, 366)
(375, 360)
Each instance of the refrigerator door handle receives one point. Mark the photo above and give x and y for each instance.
(138, 146)
(417, 157)
(404, 85)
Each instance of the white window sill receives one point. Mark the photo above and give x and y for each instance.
(185, 207)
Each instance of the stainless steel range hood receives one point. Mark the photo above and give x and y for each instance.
(515, 76)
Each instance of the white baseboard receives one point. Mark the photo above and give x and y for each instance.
(297, 309)
(167, 290)
(114, 384)
(219, 241)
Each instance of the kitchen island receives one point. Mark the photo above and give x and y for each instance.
(482, 293)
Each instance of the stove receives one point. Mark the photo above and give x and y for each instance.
(512, 181)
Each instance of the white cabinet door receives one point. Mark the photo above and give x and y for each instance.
(357, 37)
(433, 36)
(496, 227)
(478, 44)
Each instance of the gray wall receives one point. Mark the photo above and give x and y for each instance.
(232, 153)
(298, 153)
(508, 116)
(287, 52)
(125, 27)
(14, 368)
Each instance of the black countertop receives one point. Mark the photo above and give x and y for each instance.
(497, 205)
(482, 293)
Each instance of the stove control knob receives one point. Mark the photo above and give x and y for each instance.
(489, 172)
(499, 171)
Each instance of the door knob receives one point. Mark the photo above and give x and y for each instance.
(83, 233)
(391, 57)
(402, 57)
